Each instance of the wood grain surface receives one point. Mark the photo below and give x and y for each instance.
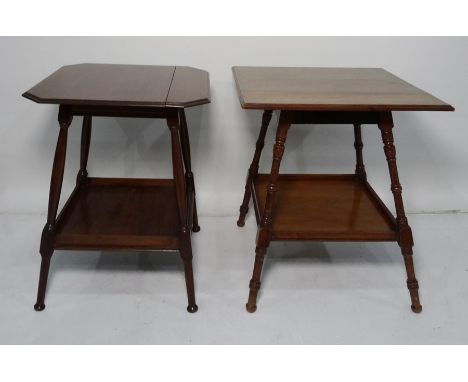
(114, 213)
(123, 85)
(325, 208)
(329, 89)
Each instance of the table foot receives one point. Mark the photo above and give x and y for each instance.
(192, 308)
(44, 272)
(241, 223)
(413, 289)
(251, 308)
(196, 228)
(39, 307)
(416, 309)
(244, 208)
(254, 287)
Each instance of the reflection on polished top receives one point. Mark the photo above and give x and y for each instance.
(123, 85)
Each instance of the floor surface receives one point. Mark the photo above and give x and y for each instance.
(312, 293)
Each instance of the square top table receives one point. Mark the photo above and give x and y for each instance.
(325, 207)
(115, 213)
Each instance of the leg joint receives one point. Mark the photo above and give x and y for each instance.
(254, 285)
(412, 284)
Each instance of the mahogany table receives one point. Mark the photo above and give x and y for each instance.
(114, 213)
(326, 207)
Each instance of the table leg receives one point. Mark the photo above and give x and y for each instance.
(264, 234)
(360, 169)
(85, 142)
(405, 236)
(188, 166)
(181, 194)
(47, 240)
(253, 169)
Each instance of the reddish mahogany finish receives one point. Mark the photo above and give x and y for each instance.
(123, 85)
(128, 214)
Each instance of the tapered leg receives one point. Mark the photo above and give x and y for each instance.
(192, 306)
(181, 194)
(85, 143)
(360, 169)
(253, 169)
(47, 240)
(43, 275)
(264, 231)
(188, 166)
(405, 236)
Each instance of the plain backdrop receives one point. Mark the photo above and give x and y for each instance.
(431, 146)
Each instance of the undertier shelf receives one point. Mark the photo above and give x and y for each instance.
(111, 213)
(325, 208)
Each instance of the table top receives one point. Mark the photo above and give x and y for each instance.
(329, 89)
(123, 85)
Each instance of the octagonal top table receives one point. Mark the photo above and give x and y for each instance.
(327, 207)
(115, 213)
(123, 85)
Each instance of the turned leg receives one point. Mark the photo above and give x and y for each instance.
(185, 246)
(405, 236)
(360, 169)
(47, 240)
(253, 169)
(188, 166)
(264, 231)
(254, 285)
(84, 153)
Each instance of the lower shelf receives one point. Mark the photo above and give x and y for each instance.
(109, 213)
(325, 208)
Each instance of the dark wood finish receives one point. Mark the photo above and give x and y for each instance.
(105, 84)
(185, 249)
(327, 207)
(120, 111)
(253, 169)
(360, 170)
(329, 89)
(123, 85)
(189, 87)
(332, 117)
(114, 213)
(48, 233)
(84, 153)
(188, 167)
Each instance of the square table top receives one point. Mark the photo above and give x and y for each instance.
(123, 85)
(329, 89)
